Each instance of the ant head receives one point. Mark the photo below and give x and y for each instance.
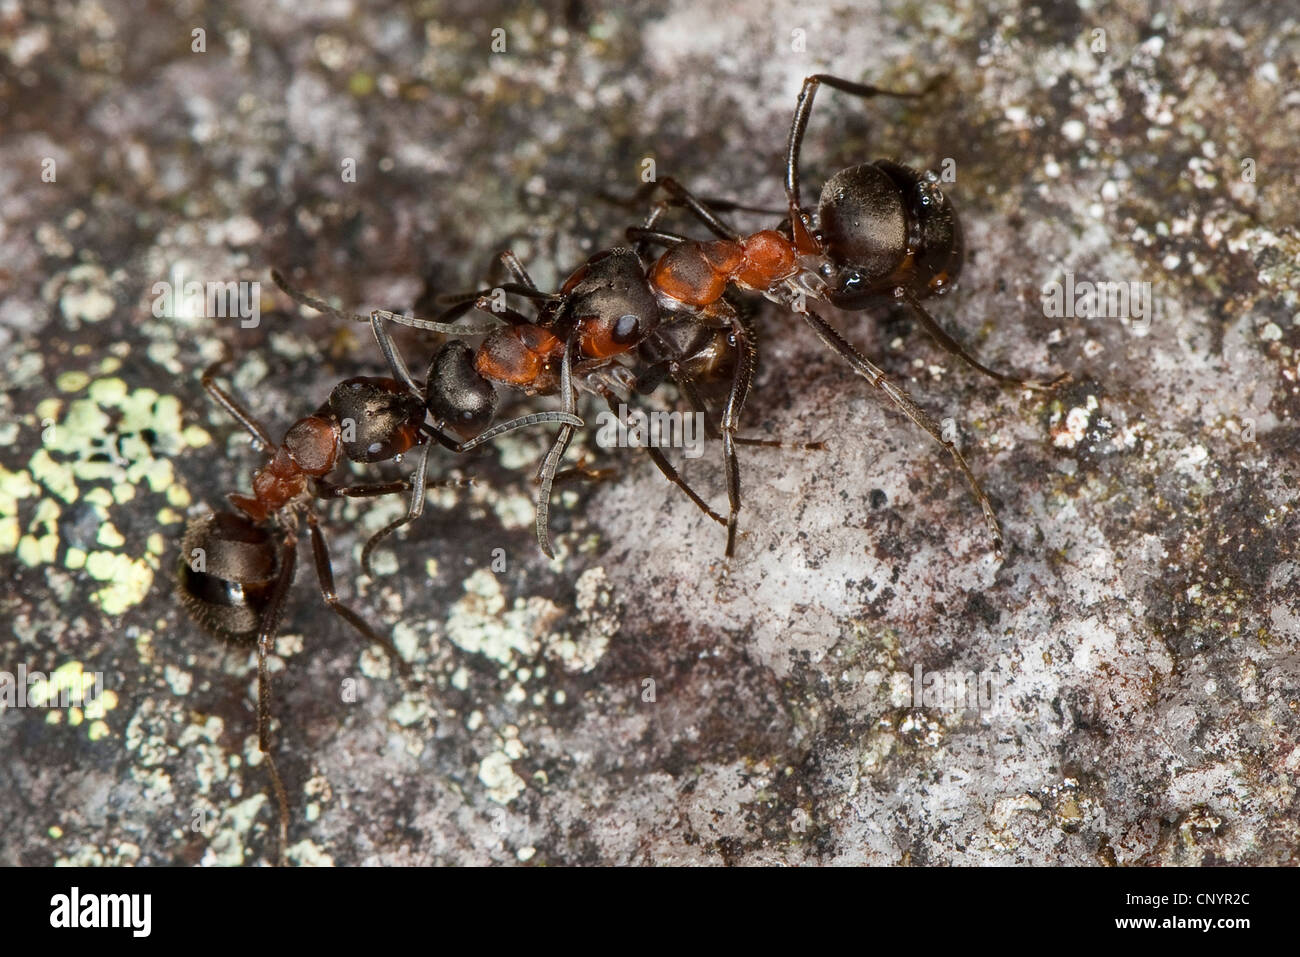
(228, 565)
(864, 230)
(611, 303)
(457, 395)
(385, 418)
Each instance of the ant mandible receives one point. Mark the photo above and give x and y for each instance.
(236, 567)
(881, 230)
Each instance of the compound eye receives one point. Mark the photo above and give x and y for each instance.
(625, 329)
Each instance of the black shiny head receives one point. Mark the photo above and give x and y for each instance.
(379, 418)
(457, 396)
(612, 299)
(227, 571)
(884, 226)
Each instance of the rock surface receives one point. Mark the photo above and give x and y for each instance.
(1139, 638)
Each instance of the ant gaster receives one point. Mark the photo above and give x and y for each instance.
(881, 231)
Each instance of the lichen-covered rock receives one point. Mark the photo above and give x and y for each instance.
(868, 684)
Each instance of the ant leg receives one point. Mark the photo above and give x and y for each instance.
(325, 574)
(396, 364)
(330, 490)
(512, 316)
(580, 469)
(742, 379)
(525, 290)
(711, 430)
(522, 422)
(803, 109)
(445, 323)
(528, 291)
(270, 624)
(698, 209)
(671, 474)
(232, 405)
(951, 345)
(552, 461)
(310, 301)
(512, 263)
(868, 370)
(418, 485)
(717, 204)
(642, 234)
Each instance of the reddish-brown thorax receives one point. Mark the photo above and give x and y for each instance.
(311, 449)
(698, 273)
(518, 355)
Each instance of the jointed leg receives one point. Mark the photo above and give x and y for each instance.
(546, 475)
(418, 484)
(312, 302)
(698, 208)
(952, 346)
(803, 109)
(865, 368)
(270, 625)
(522, 422)
(512, 316)
(642, 235)
(742, 379)
(661, 462)
(716, 204)
(326, 489)
(512, 263)
(232, 405)
(711, 430)
(325, 574)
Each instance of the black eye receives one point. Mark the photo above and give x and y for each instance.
(625, 329)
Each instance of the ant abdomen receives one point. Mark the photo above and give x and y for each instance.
(885, 226)
(228, 568)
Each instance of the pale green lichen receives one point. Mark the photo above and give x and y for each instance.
(87, 441)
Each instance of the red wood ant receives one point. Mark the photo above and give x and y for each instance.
(605, 311)
(236, 567)
(881, 230)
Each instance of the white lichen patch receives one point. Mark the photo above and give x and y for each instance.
(85, 293)
(411, 710)
(599, 623)
(226, 849)
(502, 784)
(513, 511)
(309, 854)
(480, 623)
(127, 580)
(1069, 433)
